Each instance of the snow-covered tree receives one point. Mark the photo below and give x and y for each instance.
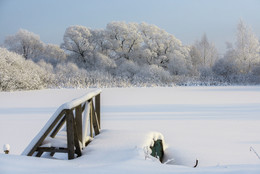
(247, 48)
(163, 49)
(203, 53)
(78, 40)
(52, 54)
(24, 43)
(124, 39)
(16, 73)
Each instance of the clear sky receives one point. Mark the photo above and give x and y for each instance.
(187, 20)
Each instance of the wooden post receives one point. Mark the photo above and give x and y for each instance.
(91, 119)
(76, 140)
(78, 120)
(70, 134)
(95, 120)
(85, 124)
(39, 154)
(97, 107)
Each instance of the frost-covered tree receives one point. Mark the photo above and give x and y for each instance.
(16, 73)
(78, 40)
(124, 39)
(247, 48)
(101, 41)
(157, 43)
(163, 49)
(203, 53)
(24, 43)
(52, 54)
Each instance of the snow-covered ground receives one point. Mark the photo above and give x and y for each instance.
(216, 125)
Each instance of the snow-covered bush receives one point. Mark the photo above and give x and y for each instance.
(52, 54)
(69, 75)
(224, 68)
(127, 69)
(16, 73)
(152, 74)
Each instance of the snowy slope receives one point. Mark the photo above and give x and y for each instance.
(216, 125)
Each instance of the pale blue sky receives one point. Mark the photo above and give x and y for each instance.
(185, 19)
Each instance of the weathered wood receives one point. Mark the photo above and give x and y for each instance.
(87, 142)
(86, 120)
(39, 142)
(58, 127)
(97, 107)
(76, 140)
(91, 119)
(70, 134)
(39, 154)
(78, 120)
(95, 120)
(52, 153)
(53, 149)
(83, 107)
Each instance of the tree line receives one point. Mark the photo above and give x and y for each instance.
(126, 54)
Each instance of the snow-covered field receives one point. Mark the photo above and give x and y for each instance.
(216, 125)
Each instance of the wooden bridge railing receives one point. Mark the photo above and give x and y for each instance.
(78, 115)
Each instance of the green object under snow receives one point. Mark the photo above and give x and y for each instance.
(157, 150)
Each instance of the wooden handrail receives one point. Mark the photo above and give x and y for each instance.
(77, 114)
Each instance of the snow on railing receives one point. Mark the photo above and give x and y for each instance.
(77, 114)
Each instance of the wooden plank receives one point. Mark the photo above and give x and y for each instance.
(95, 120)
(86, 118)
(39, 142)
(91, 119)
(78, 121)
(87, 142)
(58, 127)
(97, 107)
(76, 140)
(70, 134)
(83, 107)
(39, 154)
(53, 149)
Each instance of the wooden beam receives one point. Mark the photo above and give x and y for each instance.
(39, 154)
(86, 119)
(46, 133)
(52, 153)
(91, 119)
(76, 140)
(58, 127)
(70, 133)
(95, 120)
(53, 149)
(83, 107)
(87, 142)
(78, 121)
(97, 107)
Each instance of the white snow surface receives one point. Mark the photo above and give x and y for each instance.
(216, 125)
